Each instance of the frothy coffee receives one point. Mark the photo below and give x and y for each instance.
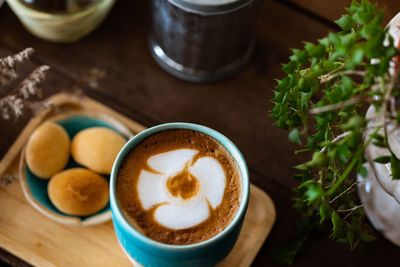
(179, 187)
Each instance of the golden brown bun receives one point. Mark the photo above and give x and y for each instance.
(78, 192)
(47, 151)
(96, 148)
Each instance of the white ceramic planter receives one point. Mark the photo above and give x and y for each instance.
(379, 193)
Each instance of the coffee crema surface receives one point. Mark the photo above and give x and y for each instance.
(179, 187)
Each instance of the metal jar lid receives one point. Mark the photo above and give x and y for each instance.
(211, 9)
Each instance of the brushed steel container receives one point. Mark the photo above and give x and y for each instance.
(200, 40)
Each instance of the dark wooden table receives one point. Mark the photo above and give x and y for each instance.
(238, 107)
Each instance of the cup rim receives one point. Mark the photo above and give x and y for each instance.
(43, 12)
(232, 149)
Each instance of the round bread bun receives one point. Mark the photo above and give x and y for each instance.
(78, 192)
(96, 148)
(47, 151)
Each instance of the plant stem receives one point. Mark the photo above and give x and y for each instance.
(331, 73)
(344, 192)
(328, 77)
(347, 171)
(352, 209)
(337, 138)
(353, 162)
(349, 102)
(386, 100)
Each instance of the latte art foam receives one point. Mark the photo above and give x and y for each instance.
(179, 187)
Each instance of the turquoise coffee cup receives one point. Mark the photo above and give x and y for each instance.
(148, 252)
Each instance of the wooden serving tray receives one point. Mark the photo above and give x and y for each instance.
(40, 241)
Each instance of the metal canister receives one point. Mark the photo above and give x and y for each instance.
(203, 40)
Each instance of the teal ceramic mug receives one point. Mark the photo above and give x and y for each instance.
(148, 252)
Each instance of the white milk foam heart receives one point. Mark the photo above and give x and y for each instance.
(176, 212)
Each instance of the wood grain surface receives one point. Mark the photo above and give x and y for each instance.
(333, 9)
(237, 107)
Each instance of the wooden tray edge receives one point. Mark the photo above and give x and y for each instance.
(269, 204)
(64, 98)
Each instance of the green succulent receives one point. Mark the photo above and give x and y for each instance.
(323, 100)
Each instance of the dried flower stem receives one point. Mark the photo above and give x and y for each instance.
(29, 86)
(8, 65)
(91, 80)
(12, 105)
(6, 180)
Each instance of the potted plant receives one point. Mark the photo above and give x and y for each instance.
(339, 99)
